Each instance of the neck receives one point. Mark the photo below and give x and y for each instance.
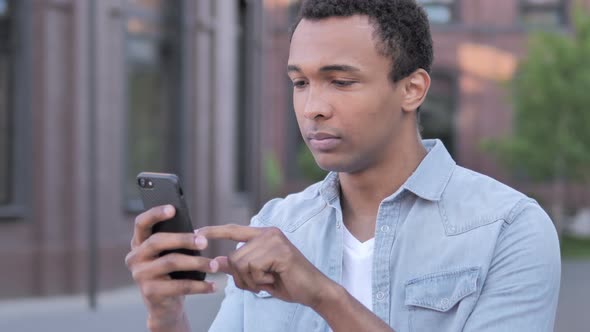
(362, 192)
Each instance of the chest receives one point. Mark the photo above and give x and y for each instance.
(421, 278)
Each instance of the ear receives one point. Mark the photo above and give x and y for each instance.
(415, 88)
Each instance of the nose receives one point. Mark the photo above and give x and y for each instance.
(316, 106)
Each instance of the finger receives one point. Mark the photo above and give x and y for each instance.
(172, 262)
(159, 289)
(233, 232)
(252, 263)
(145, 221)
(159, 242)
(262, 278)
(239, 261)
(237, 276)
(259, 265)
(222, 262)
(249, 263)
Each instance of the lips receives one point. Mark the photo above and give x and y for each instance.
(321, 141)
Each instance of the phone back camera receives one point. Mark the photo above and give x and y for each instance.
(145, 183)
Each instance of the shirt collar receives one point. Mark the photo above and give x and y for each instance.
(330, 188)
(434, 172)
(428, 180)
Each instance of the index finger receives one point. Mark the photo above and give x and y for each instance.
(145, 221)
(232, 232)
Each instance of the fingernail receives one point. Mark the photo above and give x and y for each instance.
(214, 266)
(213, 286)
(169, 210)
(200, 241)
(196, 231)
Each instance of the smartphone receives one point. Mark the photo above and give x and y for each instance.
(161, 189)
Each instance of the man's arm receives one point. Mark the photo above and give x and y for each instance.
(522, 286)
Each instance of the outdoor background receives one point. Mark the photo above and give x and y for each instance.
(93, 92)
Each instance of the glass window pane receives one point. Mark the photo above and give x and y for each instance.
(5, 135)
(544, 13)
(437, 114)
(4, 8)
(243, 111)
(152, 61)
(543, 2)
(542, 17)
(446, 2)
(6, 83)
(439, 13)
(146, 4)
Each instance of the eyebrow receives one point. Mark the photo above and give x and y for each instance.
(328, 68)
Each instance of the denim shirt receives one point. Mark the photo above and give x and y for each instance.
(454, 251)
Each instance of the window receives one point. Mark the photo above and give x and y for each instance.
(6, 101)
(437, 114)
(440, 11)
(153, 83)
(543, 12)
(245, 91)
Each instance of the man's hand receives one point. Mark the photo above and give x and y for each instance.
(163, 296)
(269, 261)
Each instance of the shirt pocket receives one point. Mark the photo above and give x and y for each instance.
(441, 301)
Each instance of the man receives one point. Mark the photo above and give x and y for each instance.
(397, 237)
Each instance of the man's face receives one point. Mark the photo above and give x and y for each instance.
(348, 111)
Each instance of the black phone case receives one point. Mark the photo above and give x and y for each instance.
(166, 189)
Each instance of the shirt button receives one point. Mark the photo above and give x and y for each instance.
(338, 224)
(380, 295)
(444, 302)
(385, 228)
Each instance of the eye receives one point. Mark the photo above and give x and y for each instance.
(298, 84)
(343, 84)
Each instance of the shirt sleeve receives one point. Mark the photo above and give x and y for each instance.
(230, 316)
(521, 289)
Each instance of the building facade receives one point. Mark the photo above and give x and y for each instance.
(92, 92)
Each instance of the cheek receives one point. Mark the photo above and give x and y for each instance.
(299, 98)
(370, 121)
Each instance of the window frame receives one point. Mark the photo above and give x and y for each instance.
(20, 108)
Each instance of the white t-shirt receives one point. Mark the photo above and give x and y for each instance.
(357, 268)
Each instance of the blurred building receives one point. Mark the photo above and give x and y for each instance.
(92, 92)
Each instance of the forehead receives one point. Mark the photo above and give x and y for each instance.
(346, 40)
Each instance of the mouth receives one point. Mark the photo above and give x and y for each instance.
(323, 142)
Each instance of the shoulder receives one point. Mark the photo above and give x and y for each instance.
(292, 211)
(471, 199)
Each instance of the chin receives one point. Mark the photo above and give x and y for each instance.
(331, 164)
(336, 163)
